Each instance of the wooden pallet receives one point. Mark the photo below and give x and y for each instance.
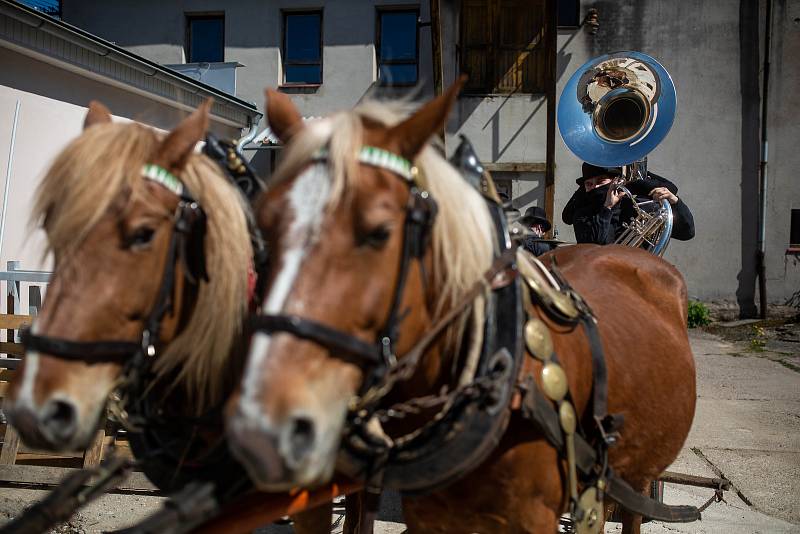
(26, 466)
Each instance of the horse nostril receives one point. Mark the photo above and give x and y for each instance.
(60, 417)
(301, 439)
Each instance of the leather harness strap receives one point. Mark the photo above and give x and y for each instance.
(322, 334)
(87, 351)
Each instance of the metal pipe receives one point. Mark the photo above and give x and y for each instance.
(762, 216)
(249, 136)
(8, 176)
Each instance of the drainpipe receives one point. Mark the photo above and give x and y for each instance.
(8, 177)
(249, 136)
(762, 216)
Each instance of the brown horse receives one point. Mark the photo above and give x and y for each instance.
(335, 225)
(110, 229)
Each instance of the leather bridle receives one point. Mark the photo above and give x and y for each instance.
(378, 356)
(188, 232)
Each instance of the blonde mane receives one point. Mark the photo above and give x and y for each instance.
(100, 167)
(463, 237)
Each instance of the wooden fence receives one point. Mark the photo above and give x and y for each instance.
(24, 465)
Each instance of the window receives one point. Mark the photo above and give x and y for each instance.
(794, 229)
(205, 38)
(503, 46)
(398, 47)
(568, 13)
(302, 48)
(48, 7)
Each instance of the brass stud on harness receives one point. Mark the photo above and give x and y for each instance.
(554, 381)
(568, 420)
(590, 510)
(538, 340)
(566, 415)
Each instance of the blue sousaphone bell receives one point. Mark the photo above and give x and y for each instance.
(613, 112)
(616, 109)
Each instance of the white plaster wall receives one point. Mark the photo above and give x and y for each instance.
(52, 109)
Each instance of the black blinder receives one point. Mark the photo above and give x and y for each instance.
(421, 216)
(191, 225)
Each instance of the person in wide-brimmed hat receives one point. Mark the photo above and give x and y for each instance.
(598, 210)
(535, 220)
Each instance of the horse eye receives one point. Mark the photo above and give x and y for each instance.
(376, 238)
(140, 238)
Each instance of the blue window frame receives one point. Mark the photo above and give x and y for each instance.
(302, 48)
(48, 7)
(398, 46)
(205, 38)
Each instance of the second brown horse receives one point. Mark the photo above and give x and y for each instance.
(336, 237)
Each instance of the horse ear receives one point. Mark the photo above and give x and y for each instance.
(176, 148)
(284, 119)
(97, 114)
(412, 134)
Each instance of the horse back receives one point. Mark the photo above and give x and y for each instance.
(640, 302)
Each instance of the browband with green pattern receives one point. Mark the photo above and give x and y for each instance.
(162, 176)
(378, 157)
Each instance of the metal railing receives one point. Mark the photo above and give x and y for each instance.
(14, 318)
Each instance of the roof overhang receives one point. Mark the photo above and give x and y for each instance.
(41, 37)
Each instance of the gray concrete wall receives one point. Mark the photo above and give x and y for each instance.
(711, 50)
(697, 41)
(783, 272)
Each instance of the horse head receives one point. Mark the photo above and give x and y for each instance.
(112, 205)
(359, 261)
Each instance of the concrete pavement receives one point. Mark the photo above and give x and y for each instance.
(747, 427)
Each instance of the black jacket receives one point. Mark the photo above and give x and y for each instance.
(536, 246)
(594, 223)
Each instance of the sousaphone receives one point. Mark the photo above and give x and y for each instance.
(613, 112)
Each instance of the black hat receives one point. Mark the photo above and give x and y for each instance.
(535, 215)
(590, 171)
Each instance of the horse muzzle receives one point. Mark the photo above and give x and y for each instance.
(52, 426)
(277, 456)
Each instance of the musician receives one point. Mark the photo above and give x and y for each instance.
(597, 210)
(535, 220)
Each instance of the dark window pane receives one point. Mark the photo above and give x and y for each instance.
(303, 74)
(397, 74)
(206, 40)
(568, 12)
(398, 36)
(302, 38)
(794, 230)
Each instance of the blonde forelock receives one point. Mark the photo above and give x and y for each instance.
(81, 186)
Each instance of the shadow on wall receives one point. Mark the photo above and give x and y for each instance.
(749, 78)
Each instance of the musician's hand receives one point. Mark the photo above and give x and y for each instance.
(613, 196)
(660, 193)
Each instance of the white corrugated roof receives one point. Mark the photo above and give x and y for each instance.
(268, 138)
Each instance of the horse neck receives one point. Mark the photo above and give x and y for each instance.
(439, 368)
